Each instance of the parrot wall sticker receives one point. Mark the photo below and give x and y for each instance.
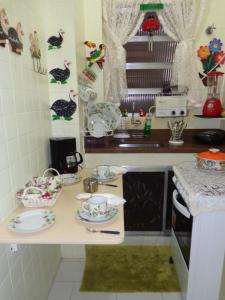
(96, 55)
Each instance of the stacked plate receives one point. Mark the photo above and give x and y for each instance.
(102, 118)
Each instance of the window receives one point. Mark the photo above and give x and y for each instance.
(148, 72)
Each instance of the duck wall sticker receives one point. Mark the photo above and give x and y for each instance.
(96, 55)
(4, 26)
(55, 42)
(61, 75)
(36, 53)
(64, 109)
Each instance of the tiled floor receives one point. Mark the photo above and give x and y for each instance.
(69, 276)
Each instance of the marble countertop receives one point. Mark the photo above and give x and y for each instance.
(203, 190)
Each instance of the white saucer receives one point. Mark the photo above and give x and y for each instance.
(111, 177)
(69, 179)
(84, 216)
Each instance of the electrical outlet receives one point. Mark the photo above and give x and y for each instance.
(13, 248)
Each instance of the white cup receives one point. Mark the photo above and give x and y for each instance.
(96, 206)
(103, 171)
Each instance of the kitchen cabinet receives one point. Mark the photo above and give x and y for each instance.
(146, 194)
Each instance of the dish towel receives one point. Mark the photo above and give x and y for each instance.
(112, 199)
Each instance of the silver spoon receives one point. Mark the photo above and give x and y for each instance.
(103, 231)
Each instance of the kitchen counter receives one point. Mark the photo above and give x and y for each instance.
(157, 136)
(68, 230)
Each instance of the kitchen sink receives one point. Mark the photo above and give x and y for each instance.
(149, 145)
(137, 135)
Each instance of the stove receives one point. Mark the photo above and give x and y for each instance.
(198, 217)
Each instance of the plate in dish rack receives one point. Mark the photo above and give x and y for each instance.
(32, 221)
(107, 112)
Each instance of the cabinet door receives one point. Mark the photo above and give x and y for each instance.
(144, 193)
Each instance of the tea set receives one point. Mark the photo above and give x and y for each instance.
(97, 209)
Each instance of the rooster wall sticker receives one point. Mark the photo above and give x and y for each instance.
(64, 109)
(96, 55)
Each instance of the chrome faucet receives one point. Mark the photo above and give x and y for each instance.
(133, 121)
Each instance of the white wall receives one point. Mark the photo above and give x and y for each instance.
(24, 134)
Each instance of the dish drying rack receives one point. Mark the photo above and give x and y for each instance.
(86, 132)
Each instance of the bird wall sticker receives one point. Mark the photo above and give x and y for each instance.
(96, 55)
(15, 38)
(4, 26)
(36, 53)
(55, 42)
(61, 75)
(64, 109)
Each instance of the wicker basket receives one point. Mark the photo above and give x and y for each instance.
(46, 196)
(37, 200)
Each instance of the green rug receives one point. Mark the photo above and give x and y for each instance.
(129, 269)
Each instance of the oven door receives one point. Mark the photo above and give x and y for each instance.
(182, 225)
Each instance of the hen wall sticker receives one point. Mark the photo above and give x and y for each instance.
(61, 75)
(55, 42)
(64, 109)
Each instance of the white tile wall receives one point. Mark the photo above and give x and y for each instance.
(28, 273)
(24, 108)
(24, 132)
(65, 12)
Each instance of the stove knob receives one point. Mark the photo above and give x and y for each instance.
(173, 113)
(181, 112)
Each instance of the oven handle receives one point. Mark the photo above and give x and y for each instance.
(182, 209)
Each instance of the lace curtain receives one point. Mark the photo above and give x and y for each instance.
(181, 20)
(121, 21)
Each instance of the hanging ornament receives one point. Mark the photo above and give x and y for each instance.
(4, 27)
(15, 38)
(36, 53)
(151, 25)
